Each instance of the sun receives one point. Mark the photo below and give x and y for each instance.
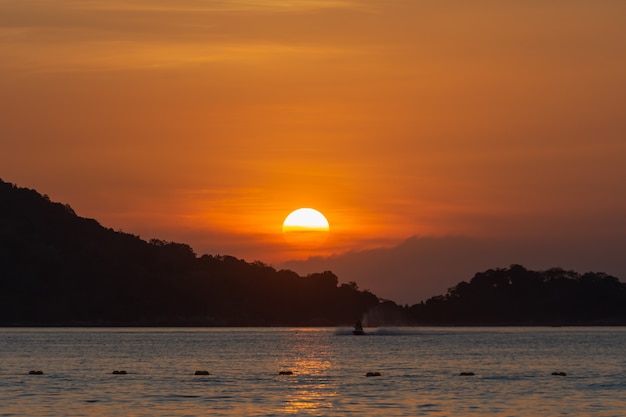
(306, 227)
(305, 219)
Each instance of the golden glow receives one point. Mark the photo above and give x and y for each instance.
(305, 219)
(200, 122)
(306, 227)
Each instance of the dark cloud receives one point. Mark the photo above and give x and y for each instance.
(421, 267)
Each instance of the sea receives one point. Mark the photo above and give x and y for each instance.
(411, 371)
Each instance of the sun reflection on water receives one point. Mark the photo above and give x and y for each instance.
(311, 388)
(309, 400)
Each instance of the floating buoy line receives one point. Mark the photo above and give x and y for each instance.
(287, 373)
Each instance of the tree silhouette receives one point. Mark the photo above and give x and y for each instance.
(58, 268)
(519, 296)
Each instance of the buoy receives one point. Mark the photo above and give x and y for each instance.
(119, 372)
(285, 373)
(202, 373)
(467, 374)
(35, 373)
(372, 374)
(559, 373)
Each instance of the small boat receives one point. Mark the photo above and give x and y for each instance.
(358, 329)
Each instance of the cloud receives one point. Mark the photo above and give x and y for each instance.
(422, 267)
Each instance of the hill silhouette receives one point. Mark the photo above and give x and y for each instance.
(57, 268)
(518, 296)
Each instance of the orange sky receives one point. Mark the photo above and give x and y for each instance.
(207, 122)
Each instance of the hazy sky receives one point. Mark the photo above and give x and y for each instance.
(207, 122)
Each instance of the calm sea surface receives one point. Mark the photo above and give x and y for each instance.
(419, 372)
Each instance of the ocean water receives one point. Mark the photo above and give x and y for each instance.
(419, 372)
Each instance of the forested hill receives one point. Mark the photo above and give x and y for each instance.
(519, 296)
(60, 269)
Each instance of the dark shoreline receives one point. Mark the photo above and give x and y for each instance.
(188, 326)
